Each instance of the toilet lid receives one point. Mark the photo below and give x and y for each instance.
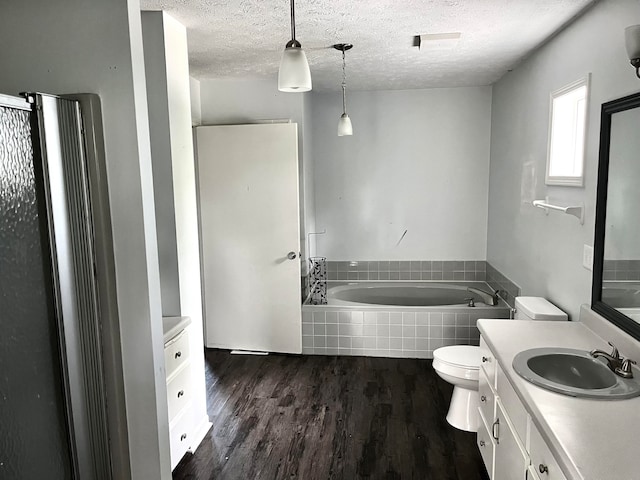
(466, 356)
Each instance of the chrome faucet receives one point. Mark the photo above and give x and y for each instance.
(615, 362)
(488, 298)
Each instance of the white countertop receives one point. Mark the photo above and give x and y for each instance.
(171, 326)
(590, 439)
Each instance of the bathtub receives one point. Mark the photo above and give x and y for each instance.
(405, 294)
(394, 319)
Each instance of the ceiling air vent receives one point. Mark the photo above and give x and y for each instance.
(436, 41)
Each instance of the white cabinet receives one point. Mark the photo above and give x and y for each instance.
(179, 394)
(510, 444)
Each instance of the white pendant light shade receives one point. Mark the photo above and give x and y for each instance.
(294, 74)
(632, 41)
(344, 126)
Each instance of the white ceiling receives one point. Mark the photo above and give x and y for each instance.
(245, 38)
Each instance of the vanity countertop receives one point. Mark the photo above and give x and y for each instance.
(171, 326)
(590, 439)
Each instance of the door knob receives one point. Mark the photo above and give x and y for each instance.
(291, 255)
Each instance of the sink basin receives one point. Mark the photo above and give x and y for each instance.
(573, 372)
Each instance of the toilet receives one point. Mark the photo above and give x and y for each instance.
(460, 364)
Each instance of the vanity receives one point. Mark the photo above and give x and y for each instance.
(528, 432)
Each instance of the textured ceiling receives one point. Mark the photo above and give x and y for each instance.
(245, 38)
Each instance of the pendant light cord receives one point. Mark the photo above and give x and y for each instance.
(293, 20)
(344, 84)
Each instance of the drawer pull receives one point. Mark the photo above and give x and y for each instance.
(484, 359)
(177, 355)
(183, 437)
(543, 468)
(495, 430)
(483, 398)
(482, 444)
(180, 393)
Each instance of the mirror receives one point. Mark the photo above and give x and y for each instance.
(616, 273)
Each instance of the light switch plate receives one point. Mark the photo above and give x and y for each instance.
(587, 257)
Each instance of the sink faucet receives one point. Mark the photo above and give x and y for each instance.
(614, 360)
(488, 298)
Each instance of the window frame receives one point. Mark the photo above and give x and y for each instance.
(559, 180)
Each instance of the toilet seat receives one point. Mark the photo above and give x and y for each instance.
(461, 361)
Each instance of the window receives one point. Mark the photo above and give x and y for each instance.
(567, 133)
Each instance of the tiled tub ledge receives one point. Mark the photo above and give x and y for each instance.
(385, 331)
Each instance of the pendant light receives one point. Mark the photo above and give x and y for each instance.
(344, 124)
(294, 75)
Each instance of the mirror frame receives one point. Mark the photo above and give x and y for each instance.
(607, 311)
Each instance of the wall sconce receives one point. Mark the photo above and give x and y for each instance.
(632, 42)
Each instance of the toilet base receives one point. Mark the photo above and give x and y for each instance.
(463, 411)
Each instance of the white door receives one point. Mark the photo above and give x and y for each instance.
(249, 216)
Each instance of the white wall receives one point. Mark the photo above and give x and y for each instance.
(418, 161)
(196, 104)
(95, 46)
(543, 254)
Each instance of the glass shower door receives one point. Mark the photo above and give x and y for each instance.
(34, 434)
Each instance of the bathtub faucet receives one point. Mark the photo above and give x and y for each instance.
(488, 298)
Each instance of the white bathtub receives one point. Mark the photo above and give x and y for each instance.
(405, 294)
(394, 319)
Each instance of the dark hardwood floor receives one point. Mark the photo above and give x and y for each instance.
(319, 417)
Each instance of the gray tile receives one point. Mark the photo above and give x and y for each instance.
(307, 329)
(333, 351)
(344, 317)
(319, 341)
(426, 265)
(405, 266)
(409, 331)
(448, 332)
(363, 275)
(319, 351)
(394, 266)
(307, 317)
(422, 331)
(345, 329)
(370, 343)
(436, 266)
(458, 276)
(435, 318)
(382, 343)
(352, 275)
(436, 331)
(331, 317)
(394, 275)
(436, 275)
(469, 276)
(426, 276)
(356, 330)
(395, 343)
(395, 318)
(416, 276)
(405, 275)
(319, 317)
(382, 318)
(435, 343)
(408, 343)
(422, 344)
(422, 318)
(383, 276)
(369, 330)
(357, 342)
(307, 350)
(395, 331)
(447, 276)
(416, 266)
(408, 318)
(469, 266)
(344, 342)
(307, 341)
(448, 266)
(370, 318)
(332, 275)
(357, 318)
(382, 330)
(342, 276)
(383, 266)
(332, 341)
(332, 329)
(319, 329)
(332, 266)
(374, 275)
(372, 266)
(449, 319)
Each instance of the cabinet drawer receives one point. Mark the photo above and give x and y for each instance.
(176, 352)
(512, 405)
(179, 392)
(511, 460)
(180, 436)
(485, 445)
(488, 363)
(486, 399)
(542, 461)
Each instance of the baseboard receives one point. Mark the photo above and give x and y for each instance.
(199, 432)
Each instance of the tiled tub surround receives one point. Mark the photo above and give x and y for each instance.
(508, 290)
(460, 270)
(386, 331)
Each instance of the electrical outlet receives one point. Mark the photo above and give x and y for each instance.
(587, 257)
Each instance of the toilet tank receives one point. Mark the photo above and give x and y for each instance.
(537, 308)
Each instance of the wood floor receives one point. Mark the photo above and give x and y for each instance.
(315, 417)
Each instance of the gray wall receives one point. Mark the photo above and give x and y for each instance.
(418, 160)
(95, 46)
(543, 254)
